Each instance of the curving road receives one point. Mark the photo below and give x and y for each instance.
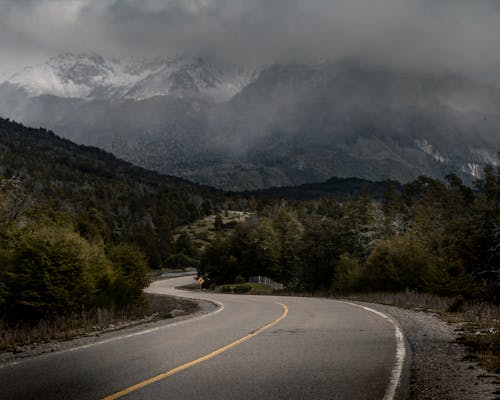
(252, 347)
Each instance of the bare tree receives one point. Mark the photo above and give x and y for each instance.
(13, 199)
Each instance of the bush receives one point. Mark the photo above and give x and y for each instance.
(203, 235)
(457, 304)
(397, 264)
(218, 262)
(226, 289)
(240, 279)
(218, 223)
(245, 288)
(181, 261)
(185, 245)
(130, 268)
(52, 271)
(347, 275)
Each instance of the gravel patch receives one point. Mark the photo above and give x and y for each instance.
(183, 312)
(439, 367)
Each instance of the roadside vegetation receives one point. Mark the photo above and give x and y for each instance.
(237, 288)
(80, 230)
(22, 337)
(438, 241)
(58, 280)
(190, 240)
(432, 237)
(478, 322)
(49, 269)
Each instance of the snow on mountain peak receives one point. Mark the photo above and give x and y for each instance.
(89, 76)
(428, 149)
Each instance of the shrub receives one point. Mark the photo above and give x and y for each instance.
(226, 289)
(185, 245)
(130, 268)
(203, 235)
(240, 279)
(347, 275)
(218, 223)
(457, 304)
(397, 264)
(182, 261)
(245, 288)
(52, 271)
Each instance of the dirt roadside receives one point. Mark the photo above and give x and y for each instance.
(179, 309)
(440, 368)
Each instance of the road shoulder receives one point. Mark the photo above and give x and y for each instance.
(439, 368)
(203, 307)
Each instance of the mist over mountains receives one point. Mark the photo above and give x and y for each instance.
(93, 77)
(281, 124)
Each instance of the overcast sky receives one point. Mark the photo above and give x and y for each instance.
(461, 35)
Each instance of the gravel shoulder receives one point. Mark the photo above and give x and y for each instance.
(439, 368)
(182, 309)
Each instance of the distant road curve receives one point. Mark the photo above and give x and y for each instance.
(251, 347)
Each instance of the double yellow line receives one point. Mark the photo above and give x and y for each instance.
(189, 364)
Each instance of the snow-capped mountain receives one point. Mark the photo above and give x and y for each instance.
(91, 76)
(287, 125)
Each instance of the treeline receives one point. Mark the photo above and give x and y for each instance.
(339, 189)
(80, 228)
(429, 236)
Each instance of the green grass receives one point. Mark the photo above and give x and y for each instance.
(255, 288)
(258, 288)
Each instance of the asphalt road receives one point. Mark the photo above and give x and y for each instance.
(252, 347)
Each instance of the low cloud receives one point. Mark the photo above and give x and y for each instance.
(459, 35)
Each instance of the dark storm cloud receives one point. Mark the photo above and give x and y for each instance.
(451, 34)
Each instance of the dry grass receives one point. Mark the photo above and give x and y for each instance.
(479, 321)
(408, 299)
(155, 307)
(202, 231)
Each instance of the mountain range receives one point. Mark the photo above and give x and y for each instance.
(242, 128)
(92, 77)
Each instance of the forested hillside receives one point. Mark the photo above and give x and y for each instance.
(102, 195)
(334, 188)
(431, 236)
(79, 226)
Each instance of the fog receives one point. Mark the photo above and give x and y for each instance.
(423, 35)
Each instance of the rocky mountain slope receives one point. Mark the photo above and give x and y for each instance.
(286, 125)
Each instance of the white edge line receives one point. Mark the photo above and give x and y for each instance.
(400, 352)
(390, 391)
(116, 338)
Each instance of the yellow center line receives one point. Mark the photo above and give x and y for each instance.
(189, 364)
